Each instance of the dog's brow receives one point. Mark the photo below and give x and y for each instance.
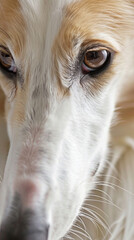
(4, 32)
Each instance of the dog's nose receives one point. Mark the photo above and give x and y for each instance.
(24, 226)
(25, 215)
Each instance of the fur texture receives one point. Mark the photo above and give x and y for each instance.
(58, 119)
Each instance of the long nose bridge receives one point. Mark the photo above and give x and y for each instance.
(37, 150)
(41, 95)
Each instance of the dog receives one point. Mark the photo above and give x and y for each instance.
(63, 65)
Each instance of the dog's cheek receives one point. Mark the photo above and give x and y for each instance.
(8, 87)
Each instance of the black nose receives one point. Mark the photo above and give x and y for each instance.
(24, 226)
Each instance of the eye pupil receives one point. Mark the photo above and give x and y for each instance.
(92, 55)
(94, 60)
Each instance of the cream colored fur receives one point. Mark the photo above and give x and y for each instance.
(59, 123)
(108, 213)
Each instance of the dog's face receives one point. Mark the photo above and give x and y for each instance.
(60, 65)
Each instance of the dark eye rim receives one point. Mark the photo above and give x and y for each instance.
(93, 72)
(4, 70)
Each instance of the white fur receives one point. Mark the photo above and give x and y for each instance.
(65, 139)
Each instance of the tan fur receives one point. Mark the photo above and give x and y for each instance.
(2, 101)
(4, 143)
(84, 22)
(107, 213)
(11, 25)
(12, 33)
(126, 103)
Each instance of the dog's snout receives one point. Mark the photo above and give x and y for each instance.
(24, 225)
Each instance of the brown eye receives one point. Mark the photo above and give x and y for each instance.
(6, 61)
(95, 60)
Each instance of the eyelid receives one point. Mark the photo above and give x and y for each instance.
(89, 44)
(96, 49)
(5, 49)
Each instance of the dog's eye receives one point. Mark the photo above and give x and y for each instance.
(6, 61)
(95, 61)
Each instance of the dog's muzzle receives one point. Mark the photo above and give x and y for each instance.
(24, 222)
(24, 225)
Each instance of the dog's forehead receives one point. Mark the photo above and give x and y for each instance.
(17, 15)
(77, 19)
(79, 15)
(11, 25)
(47, 3)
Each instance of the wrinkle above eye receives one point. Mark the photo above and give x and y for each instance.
(2, 31)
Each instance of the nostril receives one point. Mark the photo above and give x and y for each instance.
(28, 226)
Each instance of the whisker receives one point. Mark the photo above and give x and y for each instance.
(93, 220)
(92, 196)
(103, 192)
(93, 206)
(86, 233)
(75, 234)
(102, 221)
(81, 221)
(112, 185)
